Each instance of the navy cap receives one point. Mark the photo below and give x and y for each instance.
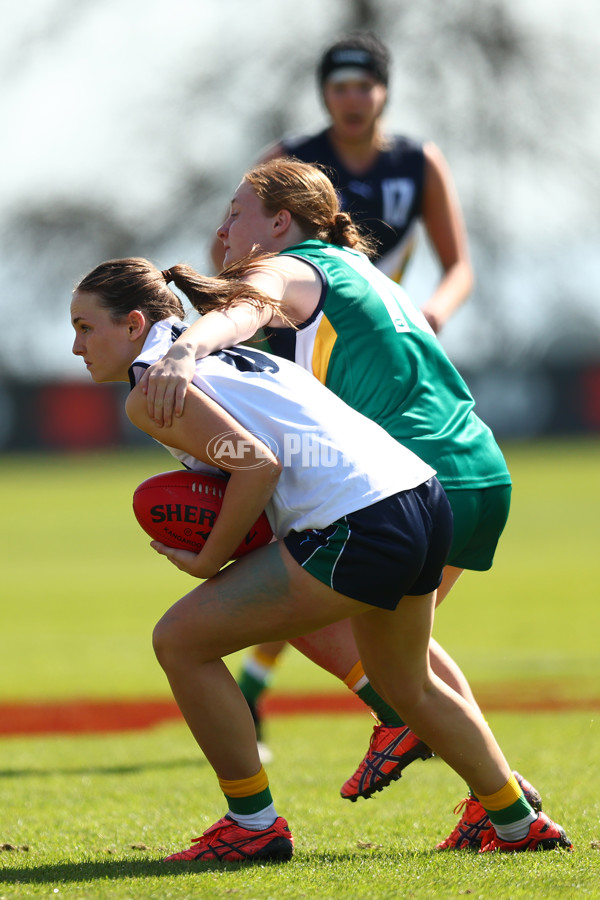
(362, 52)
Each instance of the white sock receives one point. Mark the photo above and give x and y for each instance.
(257, 821)
(515, 831)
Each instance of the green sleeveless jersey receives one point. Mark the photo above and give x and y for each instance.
(373, 348)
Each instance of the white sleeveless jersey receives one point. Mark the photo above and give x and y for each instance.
(335, 461)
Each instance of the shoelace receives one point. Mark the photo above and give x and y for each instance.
(218, 826)
(460, 806)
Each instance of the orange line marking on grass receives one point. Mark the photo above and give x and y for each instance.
(101, 716)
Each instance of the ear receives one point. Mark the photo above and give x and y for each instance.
(136, 324)
(281, 222)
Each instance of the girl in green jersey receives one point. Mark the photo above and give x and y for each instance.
(356, 330)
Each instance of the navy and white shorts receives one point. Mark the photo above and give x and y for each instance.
(377, 554)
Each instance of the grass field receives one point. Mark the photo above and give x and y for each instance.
(82, 588)
(99, 813)
(82, 591)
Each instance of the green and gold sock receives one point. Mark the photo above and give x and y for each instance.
(250, 801)
(358, 682)
(509, 812)
(256, 674)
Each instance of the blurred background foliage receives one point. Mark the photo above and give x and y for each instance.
(128, 125)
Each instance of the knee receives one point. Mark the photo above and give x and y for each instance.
(413, 695)
(404, 694)
(168, 644)
(178, 644)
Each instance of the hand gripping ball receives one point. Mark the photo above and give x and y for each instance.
(180, 508)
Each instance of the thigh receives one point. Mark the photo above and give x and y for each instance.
(394, 646)
(265, 596)
(450, 576)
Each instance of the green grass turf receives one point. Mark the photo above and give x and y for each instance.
(82, 589)
(535, 614)
(98, 814)
(81, 592)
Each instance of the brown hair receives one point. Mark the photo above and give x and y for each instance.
(123, 285)
(304, 190)
(308, 194)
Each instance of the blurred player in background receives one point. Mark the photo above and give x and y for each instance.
(389, 184)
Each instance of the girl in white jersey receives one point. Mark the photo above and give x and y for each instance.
(346, 551)
(361, 336)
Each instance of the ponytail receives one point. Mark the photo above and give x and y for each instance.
(207, 293)
(308, 194)
(123, 285)
(344, 233)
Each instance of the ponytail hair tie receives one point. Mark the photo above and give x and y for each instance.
(166, 274)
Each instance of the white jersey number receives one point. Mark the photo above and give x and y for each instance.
(399, 307)
(397, 194)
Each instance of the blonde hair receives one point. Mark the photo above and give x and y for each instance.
(310, 197)
(304, 190)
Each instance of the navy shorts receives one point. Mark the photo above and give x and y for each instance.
(377, 554)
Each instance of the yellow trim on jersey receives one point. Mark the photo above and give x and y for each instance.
(325, 339)
(398, 273)
(395, 261)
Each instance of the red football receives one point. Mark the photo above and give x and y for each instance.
(179, 509)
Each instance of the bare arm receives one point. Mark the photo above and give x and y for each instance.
(443, 220)
(292, 283)
(248, 490)
(165, 382)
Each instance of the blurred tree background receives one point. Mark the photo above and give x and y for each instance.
(128, 125)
